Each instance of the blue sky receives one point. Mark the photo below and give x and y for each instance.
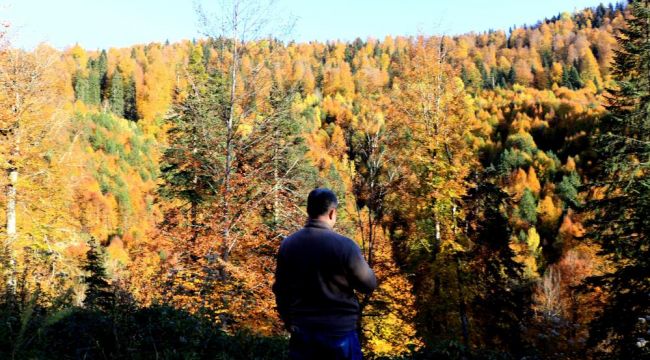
(117, 23)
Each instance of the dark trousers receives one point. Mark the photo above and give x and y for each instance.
(314, 345)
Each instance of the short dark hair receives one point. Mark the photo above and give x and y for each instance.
(320, 201)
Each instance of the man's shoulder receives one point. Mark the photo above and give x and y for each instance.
(350, 245)
(342, 241)
(311, 232)
(293, 237)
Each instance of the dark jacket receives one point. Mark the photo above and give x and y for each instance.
(316, 275)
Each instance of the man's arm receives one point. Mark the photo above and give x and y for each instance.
(362, 277)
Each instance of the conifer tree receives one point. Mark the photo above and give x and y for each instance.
(98, 291)
(190, 164)
(116, 97)
(565, 78)
(512, 75)
(80, 87)
(102, 69)
(130, 110)
(94, 84)
(497, 277)
(621, 219)
(567, 189)
(575, 82)
(528, 207)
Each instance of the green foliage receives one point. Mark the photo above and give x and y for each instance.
(123, 331)
(511, 159)
(497, 295)
(511, 77)
(25, 317)
(571, 78)
(101, 65)
(80, 84)
(116, 98)
(97, 139)
(94, 89)
(196, 65)
(113, 161)
(98, 291)
(528, 207)
(100, 141)
(496, 277)
(621, 220)
(472, 78)
(522, 141)
(104, 120)
(188, 161)
(567, 189)
(130, 110)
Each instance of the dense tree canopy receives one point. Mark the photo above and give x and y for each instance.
(485, 176)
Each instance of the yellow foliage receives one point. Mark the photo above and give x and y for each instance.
(549, 213)
(532, 181)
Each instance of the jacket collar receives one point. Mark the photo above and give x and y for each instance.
(317, 224)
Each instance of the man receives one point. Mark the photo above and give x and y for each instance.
(317, 273)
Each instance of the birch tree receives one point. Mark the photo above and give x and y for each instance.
(28, 97)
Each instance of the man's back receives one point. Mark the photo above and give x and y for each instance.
(317, 273)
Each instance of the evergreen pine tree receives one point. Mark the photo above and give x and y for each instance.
(574, 78)
(94, 84)
(498, 279)
(486, 82)
(464, 76)
(547, 59)
(528, 207)
(206, 53)
(502, 80)
(567, 189)
(599, 16)
(80, 87)
(565, 78)
(189, 165)
(130, 109)
(102, 69)
(512, 76)
(98, 291)
(116, 98)
(493, 79)
(286, 149)
(622, 218)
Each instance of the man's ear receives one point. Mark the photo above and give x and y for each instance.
(331, 213)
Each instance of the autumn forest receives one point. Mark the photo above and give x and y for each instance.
(497, 182)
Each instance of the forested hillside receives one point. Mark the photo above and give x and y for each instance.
(495, 181)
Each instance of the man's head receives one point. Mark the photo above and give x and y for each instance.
(322, 204)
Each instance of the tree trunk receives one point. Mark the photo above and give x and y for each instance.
(12, 233)
(11, 204)
(229, 137)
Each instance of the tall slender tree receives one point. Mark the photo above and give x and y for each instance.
(94, 84)
(190, 164)
(621, 219)
(27, 86)
(116, 96)
(130, 109)
(240, 22)
(99, 295)
(433, 111)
